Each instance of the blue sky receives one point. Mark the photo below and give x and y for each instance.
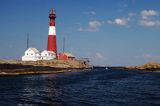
(109, 32)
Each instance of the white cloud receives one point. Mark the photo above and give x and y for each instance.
(147, 18)
(147, 56)
(119, 21)
(93, 26)
(132, 14)
(149, 23)
(80, 29)
(146, 14)
(90, 13)
(99, 56)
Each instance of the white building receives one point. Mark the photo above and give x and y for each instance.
(48, 55)
(31, 54)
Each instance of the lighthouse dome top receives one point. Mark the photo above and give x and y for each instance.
(52, 14)
(52, 11)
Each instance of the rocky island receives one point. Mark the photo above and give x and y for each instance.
(150, 66)
(17, 67)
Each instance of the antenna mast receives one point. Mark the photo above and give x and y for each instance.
(27, 40)
(63, 44)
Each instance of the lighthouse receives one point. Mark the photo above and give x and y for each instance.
(52, 46)
(32, 54)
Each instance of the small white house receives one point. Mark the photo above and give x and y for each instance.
(48, 55)
(31, 54)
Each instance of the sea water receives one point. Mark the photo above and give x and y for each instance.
(83, 88)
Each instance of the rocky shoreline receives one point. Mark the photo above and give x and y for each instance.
(14, 67)
(150, 67)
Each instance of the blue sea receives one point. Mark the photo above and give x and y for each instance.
(83, 88)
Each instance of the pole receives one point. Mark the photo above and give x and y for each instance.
(27, 40)
(63, 44)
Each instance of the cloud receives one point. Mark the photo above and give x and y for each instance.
(148, 56)
(93, 26)
(149, 23)
(90, 13)
(99, 56)
(80, 29)
(151, 56)
(148, 18)
(146, 14)
(145, 18)
(119, 21)
(132, 14)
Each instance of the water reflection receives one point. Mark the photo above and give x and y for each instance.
(39, 90)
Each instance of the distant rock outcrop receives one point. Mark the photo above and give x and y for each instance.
(150, 66)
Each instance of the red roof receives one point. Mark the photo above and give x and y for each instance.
(65, 56)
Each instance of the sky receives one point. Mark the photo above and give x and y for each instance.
(108, 32)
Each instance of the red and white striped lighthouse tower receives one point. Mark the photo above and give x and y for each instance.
(52, 46)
